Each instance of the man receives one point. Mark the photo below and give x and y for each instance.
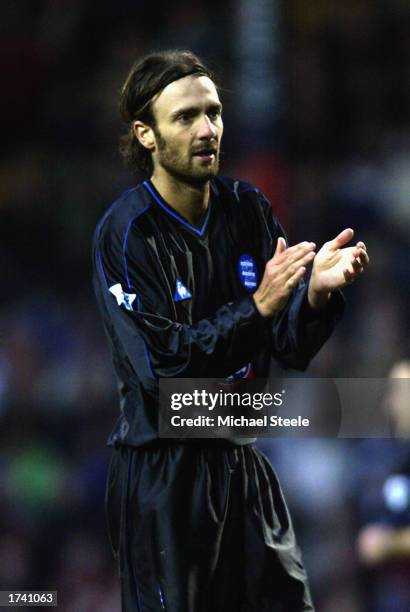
(383, 541)
(194, 279)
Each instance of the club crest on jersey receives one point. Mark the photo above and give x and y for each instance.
(181, 292)
(248, 273)
(123, 299)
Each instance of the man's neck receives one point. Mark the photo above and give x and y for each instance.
(191, 201)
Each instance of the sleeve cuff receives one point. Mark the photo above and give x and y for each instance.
(248, 316)
(333, 310)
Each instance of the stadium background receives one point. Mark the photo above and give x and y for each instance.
(317, 114)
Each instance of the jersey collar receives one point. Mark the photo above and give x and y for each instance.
(161, 202)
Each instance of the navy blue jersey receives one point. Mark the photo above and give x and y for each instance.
(176, 299)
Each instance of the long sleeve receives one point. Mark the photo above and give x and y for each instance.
(137, 301)
(297, 331)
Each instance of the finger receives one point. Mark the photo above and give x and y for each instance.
(348, 276)
(341, 239)
(288, 269)
(308, 258)
(280, 246)
(295, 278)
(361, 255)
(289, 266)
(364, 258)
(301, 246)
(357, 266)
(361, 245)
(292, 254)
(296, 253)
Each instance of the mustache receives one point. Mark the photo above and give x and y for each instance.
(209, 147)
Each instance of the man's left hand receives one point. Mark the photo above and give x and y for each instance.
(335, 266)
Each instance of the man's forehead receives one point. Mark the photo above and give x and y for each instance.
(189, 90)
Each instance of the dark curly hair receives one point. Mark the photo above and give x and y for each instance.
(148, 77)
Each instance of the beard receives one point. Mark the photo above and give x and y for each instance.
(186, 169)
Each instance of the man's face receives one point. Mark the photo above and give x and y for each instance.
(188, 130)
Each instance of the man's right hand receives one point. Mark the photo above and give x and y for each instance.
(282, 274)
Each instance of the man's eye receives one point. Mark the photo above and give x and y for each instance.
(214, 113)
(185, 117)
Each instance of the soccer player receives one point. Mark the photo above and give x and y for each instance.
(194, 279)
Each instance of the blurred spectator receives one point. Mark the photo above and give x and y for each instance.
(383, 543)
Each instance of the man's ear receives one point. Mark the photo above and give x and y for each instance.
(145, 134)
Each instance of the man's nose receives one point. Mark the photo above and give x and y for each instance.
(206, 128)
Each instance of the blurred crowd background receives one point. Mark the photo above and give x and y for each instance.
(317, 113)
